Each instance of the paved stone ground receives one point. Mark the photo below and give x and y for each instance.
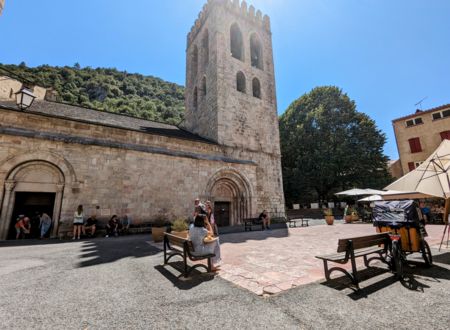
(121, 284)
(274, 261)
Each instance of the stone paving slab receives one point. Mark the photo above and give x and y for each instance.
(269, 262)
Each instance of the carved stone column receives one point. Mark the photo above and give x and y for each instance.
(7, 209)
(57, 209)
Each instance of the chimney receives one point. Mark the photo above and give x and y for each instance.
(51, 95)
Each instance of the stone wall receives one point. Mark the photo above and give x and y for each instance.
(10, 86)
(119, 180)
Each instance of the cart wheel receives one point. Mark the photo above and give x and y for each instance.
(397, 260)
(426, 253)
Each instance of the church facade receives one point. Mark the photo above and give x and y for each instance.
(55, 156)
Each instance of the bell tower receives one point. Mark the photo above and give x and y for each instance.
(230, 89)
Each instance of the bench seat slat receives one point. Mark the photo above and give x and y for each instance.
(358, 253)
(362, 242)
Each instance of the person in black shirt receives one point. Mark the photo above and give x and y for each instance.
(264, 217)
(91, 225)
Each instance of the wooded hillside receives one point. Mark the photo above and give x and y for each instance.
(110, 90)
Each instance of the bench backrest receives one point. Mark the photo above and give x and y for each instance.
(179, 241)
(363, 241)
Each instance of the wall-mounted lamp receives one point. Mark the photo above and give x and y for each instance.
(24, 98)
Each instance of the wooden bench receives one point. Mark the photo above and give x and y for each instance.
(178, 246)
(292, 221)
(352, 248)
(249, 222)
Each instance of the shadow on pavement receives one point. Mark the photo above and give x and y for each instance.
(417, 277)
(106, 250)
(253, 235)
(196, 277)
(27, 242)
(443, 258)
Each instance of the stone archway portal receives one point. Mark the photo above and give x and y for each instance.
(31, 179)
(232, 197)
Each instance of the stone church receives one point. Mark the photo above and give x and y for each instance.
(55, 156)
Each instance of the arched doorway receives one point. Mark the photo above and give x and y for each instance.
(33, 186)
(231, 194)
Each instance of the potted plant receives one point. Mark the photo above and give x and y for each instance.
(329, 218)
(159, 228)
(180, 228)
(348, 214)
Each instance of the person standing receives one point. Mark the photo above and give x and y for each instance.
(45, 223)
(265, 219)
(211, 219)
(78, 221)
(125, 222)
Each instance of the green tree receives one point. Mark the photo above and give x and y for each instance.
(110, 90)
(327, 145)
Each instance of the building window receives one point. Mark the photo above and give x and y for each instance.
(205, 47)
(411, 166)
(413, 122)
(441, 114)
(240, 82)
(256, 88)
(204, 86)
(445, 135)
(195, 99)
(256, 52)
(236, 42)
(414, 145)
(194, 68)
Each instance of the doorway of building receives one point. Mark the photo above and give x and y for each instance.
(29, 204)
(222, 213)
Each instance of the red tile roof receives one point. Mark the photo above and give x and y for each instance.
(420, 113)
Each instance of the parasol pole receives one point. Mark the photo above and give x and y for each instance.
(446, 227)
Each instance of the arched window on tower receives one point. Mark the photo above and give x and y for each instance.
(240, 82)
(236, 42)
(256, 53)
(195, 99)
(256, 85)
(205, 46)
(194, 68)
(204, 86)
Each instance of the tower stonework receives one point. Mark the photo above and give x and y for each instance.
(230, 91)
(2, 4)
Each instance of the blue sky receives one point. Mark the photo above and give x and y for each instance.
(386, 55)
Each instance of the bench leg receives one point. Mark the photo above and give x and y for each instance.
(354, 272)
(327, 272)
(186, 272)
(209, 265)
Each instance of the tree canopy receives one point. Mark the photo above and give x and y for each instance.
(327, 145)
(109, 90)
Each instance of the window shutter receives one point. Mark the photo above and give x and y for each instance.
(414, 145)
(445, 135)
(411, 166)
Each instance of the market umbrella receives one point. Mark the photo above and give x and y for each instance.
(372, 198)
(359, 192)
(431, 177)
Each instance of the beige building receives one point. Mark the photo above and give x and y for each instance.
(2, 4)
(55, 156)
(419, 134)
